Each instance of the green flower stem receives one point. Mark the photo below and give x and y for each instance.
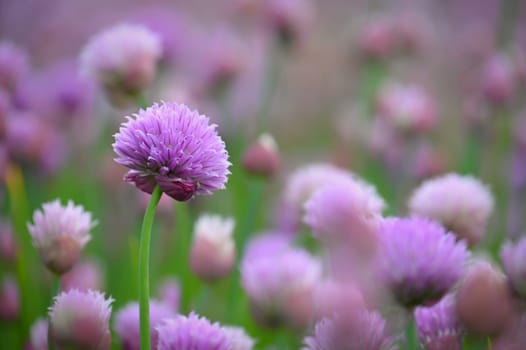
(144, 271)
(410, 335)
(20, 216)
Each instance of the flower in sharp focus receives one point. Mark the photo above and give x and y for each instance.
(80, 320)
(213, 253)
(438, 326)
(239, 338)
(362, 330)
(173, 147)
(514, 263)
(39, 335)
(462, 204)
(127, 324)
(123, 58)
(59, 233)
(419, 261)
(192, 333)
(280, 284)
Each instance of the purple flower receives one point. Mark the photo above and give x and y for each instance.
(363, 330)
(122, 58)
(169, 293)
(127, 324)
(39, 331)
(59, 233)
(85, 275)
(14, 65)
(280, 284)
(438, 326)
(348, 210)
(9, 299)
(80, 320)
(419, 260)
(173, 147)
(514, 262)
(462, 204)
(239, 338)
(192, 333)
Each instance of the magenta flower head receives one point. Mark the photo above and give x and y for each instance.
(462, 204)
(127, 323)
(175, 148)
(192, 333)
(14, 65)
(280, 284)
(438, 326)
(419, 260)
(122, 58)
(80, 320)
(498, 80)
(39, 335)
(514, 263)
(362, 330)
(59, 233)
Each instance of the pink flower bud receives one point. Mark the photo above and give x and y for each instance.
(80, 320)
(262, 158)
(8, 251)
(498, 80)
(9, 299)
(39, 335)
(483, 300)
(212, 255)
(169, 293)
(59, 234)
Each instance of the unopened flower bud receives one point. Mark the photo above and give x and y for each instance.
(212, 255)
(59, 234)
(262, 157)
(83, 276)
(39, 335)
(9, 299)
(483, 300)
(80, 320)
(169, 293)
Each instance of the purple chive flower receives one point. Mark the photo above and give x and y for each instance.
(14, 65)
(362, 330)
(8, 248)
(514, 262)
(419, 260)
(122, 58)
(38, 336)
(280, 284)
(173, 147)
(239, 338)
(262, 158)
(127, 323)
(408, 108)
(80, 320)
(59, 233)
(438, 326)
(192, 332)
(462, 204)
(498, 79)
(290, 19)
(346, 211)
(85, 275)
(303, 182)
